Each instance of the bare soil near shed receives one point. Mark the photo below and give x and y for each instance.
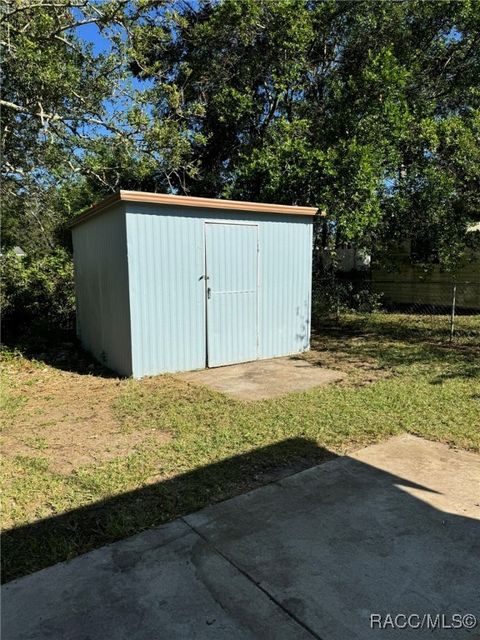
(66, 417)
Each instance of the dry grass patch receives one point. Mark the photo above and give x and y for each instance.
(65, 417)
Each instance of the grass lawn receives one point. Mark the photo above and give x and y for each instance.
(89, 458)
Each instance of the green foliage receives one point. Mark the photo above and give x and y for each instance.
(54, 89)
(333, 296)
(367, 110)
(37, 292)
(370, 111)
(72, 123)
(53, 111)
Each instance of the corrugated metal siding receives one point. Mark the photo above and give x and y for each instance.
(285, 286)
(166, 256)
(101, 283)
(232, 306)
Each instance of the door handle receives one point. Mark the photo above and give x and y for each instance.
(209, 293)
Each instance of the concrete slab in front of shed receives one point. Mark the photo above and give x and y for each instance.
(263, 379)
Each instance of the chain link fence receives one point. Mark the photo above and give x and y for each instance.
(444, 311)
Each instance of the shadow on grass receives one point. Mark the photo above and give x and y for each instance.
(406, 327)
(468, 373)
(398, 340)
(391, 340)
(351, 532)
(35, 546)
(57, 348)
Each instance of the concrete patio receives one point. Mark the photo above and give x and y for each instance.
(394, 528)
(263, 379)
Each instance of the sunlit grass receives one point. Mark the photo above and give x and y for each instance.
(397, 382)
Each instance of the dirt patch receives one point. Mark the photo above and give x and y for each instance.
(68, 418)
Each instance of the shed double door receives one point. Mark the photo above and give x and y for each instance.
(231, 262)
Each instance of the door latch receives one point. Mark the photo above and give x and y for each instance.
(209, 293)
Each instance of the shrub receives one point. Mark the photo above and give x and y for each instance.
(37, 291)
(333, 295)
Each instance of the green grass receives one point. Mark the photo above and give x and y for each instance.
(402, 376)
(10, 402)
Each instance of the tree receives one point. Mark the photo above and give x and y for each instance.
(368, 110)
(362, 108)
(53, 109)
(73, 125)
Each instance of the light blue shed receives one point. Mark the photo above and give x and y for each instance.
(170, 283)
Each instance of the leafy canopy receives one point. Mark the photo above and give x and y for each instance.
(367, 110)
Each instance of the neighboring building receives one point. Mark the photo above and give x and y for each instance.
(417, 279)
(348, 258)
(17, 251)
(170, 283)
(413, 277)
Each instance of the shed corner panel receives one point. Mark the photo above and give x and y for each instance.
(102, 288)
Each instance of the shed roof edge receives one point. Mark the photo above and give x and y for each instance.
(190, 201)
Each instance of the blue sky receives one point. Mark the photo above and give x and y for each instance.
(90, 33)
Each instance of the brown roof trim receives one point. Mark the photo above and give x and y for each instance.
(189, 201)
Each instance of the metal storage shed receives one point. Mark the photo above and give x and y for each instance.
(170, 283)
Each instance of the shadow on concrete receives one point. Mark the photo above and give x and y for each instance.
(327, 547)
(31, 547)
(35, 546)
